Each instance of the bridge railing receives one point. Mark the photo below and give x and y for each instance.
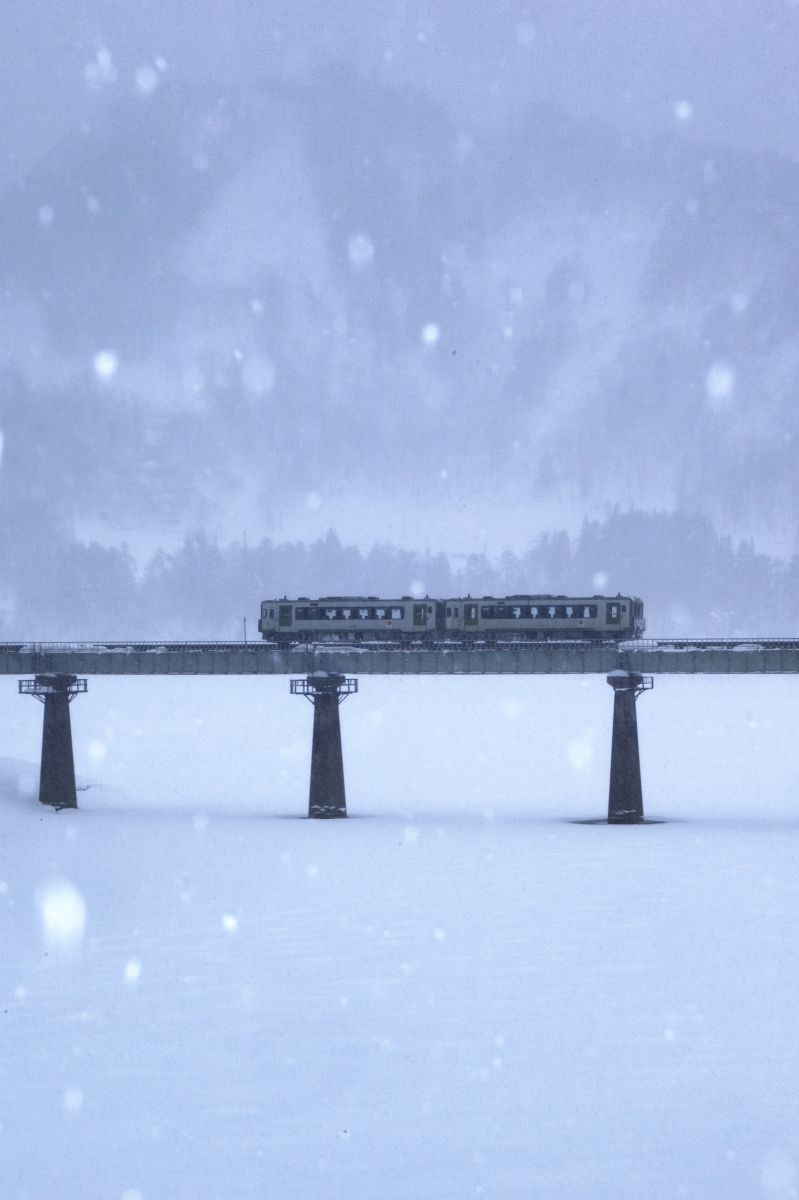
(664, 644)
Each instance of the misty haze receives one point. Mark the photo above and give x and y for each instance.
(329, 320)
(443, 355)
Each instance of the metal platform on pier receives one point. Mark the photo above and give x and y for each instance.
(683, 656)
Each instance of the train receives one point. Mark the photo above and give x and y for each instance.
(410, 620)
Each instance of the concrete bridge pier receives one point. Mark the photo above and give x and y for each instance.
(625, 797)
(57, 774)
(326, 692)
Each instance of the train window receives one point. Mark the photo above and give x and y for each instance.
(271, 612)
(397, 614)
(535, 612)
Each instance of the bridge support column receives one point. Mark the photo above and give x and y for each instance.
(326, 692)
(57, 775)
(625, 797)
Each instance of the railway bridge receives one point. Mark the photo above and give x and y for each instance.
(328, 672)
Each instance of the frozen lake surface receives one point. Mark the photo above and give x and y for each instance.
(458, 992)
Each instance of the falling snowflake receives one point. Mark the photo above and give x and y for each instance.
(720, 385)
(100, 70)
(106, 365)
(73, 1100)
(580, 752)
(63, 914)
(146, 80)
(464, 146)
(431, 334)
(97, 751)
(360, 250)
(132, 972)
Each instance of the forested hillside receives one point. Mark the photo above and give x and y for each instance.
(692, 581)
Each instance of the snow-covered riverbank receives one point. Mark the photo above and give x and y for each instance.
(458, 992)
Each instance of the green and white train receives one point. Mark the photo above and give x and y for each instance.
(413, 620)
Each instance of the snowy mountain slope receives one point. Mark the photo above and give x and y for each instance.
(279, 308)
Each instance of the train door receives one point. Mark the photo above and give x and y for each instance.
(470, 615)
(284, 615)
(613, 612)
(420, 616)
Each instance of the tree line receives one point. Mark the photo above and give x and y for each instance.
(692, 579)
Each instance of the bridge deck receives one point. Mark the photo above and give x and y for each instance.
(675, 657)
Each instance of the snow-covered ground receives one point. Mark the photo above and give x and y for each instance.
(459, 992)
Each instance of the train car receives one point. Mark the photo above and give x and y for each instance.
(487, 619)
(347, 618)
(545, 618)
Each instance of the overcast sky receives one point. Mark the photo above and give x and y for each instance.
(726, 68)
